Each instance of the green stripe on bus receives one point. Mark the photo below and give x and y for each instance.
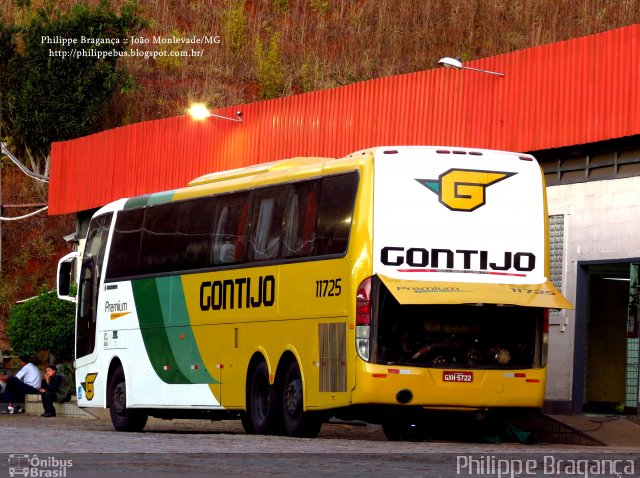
(154, 334)
(179, 333)
(149, 199)
(160, 198)
(136, 202)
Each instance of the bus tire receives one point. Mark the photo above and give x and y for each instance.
(262, 402)
(123, 418)
(297, 422)
(247, 424)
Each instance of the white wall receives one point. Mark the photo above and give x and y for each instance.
(602, 221)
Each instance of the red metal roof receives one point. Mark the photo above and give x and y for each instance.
(572, 92)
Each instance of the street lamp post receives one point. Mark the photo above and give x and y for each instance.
(456, 64)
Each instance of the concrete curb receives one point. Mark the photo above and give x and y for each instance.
(33, 406)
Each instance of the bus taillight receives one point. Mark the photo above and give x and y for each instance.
(363, 318)
(363, 303)
(545, 335)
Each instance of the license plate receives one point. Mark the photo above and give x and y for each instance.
(451, 376)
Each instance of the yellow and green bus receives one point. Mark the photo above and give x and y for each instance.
(378, 286)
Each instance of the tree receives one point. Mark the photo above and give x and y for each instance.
(59, 72)
(43, 323)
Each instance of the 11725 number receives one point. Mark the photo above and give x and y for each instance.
(328, 288)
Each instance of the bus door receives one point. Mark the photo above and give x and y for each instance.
(89, 287)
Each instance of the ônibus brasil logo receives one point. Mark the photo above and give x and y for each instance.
(463, 189)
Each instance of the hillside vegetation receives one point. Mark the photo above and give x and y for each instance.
(272, 48)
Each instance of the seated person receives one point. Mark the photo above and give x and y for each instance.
(25, 382)
(55, 388)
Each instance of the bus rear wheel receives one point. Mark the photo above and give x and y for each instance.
(297, 422)
(123, 418)
(262, 402)
(247, 423)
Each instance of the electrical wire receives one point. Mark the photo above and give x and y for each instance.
(23, 168)
(24, 216)
(28, 172)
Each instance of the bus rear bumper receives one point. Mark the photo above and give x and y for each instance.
(461, 389)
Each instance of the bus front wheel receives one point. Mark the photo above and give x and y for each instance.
(123, 418)
(297, 422)
(262, 402)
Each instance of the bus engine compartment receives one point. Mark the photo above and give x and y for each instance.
(474, 336)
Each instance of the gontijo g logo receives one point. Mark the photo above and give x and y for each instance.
(463, 189)
(87, 385)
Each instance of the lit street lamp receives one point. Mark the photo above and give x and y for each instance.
(199, 112)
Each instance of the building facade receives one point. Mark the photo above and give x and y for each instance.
(594, 205)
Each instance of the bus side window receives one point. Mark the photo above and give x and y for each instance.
(228, 229)
(192, 234)
(266, 225)
(125, 245)
(221, 251)
(85, 306)
(159, 252)
(298, 230)
(309, 226)
(337, 201)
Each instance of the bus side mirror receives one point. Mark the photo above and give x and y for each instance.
(66, 274)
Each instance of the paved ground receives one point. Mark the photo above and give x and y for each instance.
(614, 430)
(201, 448)
(24, 433)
